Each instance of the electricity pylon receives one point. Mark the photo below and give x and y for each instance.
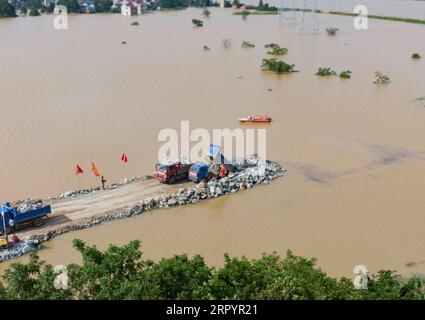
(287, 12)
(309, 23)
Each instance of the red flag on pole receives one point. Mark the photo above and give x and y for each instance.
(94, 169)
(78, 170)
(124, 157)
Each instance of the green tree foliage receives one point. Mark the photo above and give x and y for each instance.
(325, 72)
(103, 5)
(178, 278)
(113, 274)
(35, 4)
(381, 78)
(50, 8)
(24, 10)
(122, 273)
(197, 23)
(34, 12)
(6, 9)
(276, 50)
(206, 13)
(71, 5)
(416, 56)
(247, 44)
(276, 66)
(345, 74)
(331, 31)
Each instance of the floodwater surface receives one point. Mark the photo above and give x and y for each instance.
(355, 151)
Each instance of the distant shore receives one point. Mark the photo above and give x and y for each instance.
(275, 11)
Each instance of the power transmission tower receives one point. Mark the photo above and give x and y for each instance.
(309, 23)
(287, 12)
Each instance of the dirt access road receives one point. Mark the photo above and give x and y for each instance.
(82, 207)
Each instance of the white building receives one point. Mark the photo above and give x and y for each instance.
(131, 8)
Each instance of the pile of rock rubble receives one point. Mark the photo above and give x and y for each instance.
(28, 205)
(253, 172)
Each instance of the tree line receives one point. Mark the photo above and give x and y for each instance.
(123, 273)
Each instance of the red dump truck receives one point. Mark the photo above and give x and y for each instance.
(171, 171)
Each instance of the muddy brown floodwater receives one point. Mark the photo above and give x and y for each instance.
(355, 152)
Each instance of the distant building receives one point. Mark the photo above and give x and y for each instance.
(132, 7)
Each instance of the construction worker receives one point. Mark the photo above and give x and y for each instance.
(103, 180)
(223, 171)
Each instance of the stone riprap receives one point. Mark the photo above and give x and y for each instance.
(249, 174)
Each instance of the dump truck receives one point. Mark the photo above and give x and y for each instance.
(216, 157)
(12, 218)
(199, 172)
(169, 172)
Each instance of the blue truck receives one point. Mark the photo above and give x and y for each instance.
(198, 172)
(11, 219)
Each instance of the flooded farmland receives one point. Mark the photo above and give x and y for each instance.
(355, 152)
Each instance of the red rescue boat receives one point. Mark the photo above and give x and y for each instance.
(258, 118)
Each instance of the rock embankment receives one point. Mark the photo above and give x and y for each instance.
(252, 173)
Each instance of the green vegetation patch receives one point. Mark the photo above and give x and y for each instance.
(247, 44)
(121, 273)
(345, 74)
(276, 50)
(197, 23)
(416, 56)
(325, 72)
(277, 66)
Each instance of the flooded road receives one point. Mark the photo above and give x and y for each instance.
(355, 152)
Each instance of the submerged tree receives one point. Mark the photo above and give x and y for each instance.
(416, 56)
(381, 78)
(206, 13)
(331, 31)
(121, 273)
(345, 74)
(197, 23)
(325, 72)
(23, 10)
(247, 44)
(276, 50)
(227, 43)
(34, 12)
(73, 6)
(277, 66)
